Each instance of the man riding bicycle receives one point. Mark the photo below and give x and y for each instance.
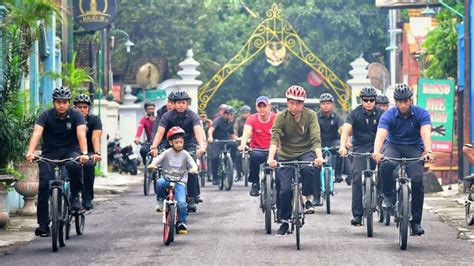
(258, 127)
(146, 123)
(64, 136)
(407, 132)
(296, 134)
(83, 104)
(239, 130)
(189, 121)
(222, 129)
(361, 123)
(159, 114)
(382, 102)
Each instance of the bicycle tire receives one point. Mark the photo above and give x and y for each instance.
(55, 219)
(146, 181)
(297, 216)
(68, 229)
(469, 215)
(64, 219)
(168, 230)
(229, 174)
(268, 204)
(369, 217)
(80, 222)
(327, 193)
(221, 174)
(202, 177)
(245, 169)
(403, 216)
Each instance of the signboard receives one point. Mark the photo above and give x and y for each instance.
(314, 79)
(94, 15)
(405, 3)
(437, 97)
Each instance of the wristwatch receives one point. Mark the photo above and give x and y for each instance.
(152, 148)
(84, 153)
(97, 153)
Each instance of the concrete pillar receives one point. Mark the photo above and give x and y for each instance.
(360, 79)
(34, 75)
(112, 119)
(189, 81)
(102, 105)
(128, 118)
(47, 84)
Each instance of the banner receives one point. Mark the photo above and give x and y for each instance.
(405, 3)
(94, 15)
(437, 97)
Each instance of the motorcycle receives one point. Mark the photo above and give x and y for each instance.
(121, 159)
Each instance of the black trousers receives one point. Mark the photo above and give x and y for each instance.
(285, 177)
(414, 171)
(46, 173)
(215, 151)
(192, 186)
(359, 164)
(89, 178)
(144, 150)
(256, 159)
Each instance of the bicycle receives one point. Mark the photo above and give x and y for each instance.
(327, 176)
(369, 192)
(60, 211)
(226, 166)
(246, 165)
(170, 206)
(203, 166)
(403, 203)
(150, 175)
(297, 213)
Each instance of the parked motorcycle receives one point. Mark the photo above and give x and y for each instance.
(121, 159)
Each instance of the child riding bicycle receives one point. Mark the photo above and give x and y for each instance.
(175, 159)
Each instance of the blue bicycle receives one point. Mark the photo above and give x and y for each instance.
(327, 176)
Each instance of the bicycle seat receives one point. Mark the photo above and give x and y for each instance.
(469, 178)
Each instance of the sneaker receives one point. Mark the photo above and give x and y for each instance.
(42, 230)
(317, 201)
(181, 229)
(338, 179)
(416, 229)
(356, 221)
(254, 190)
(192, 205)
(283, 229)
(308, 207)
(75, 203)
(159, 205)
(198, 199)
(238, 178)
(87, 204)
(387, 202)
(215, 182)
(348, 181)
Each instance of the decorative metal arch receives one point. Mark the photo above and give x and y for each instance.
(275, 29)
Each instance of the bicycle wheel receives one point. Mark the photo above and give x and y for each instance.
(268, 203)
(379, 207)
(221, 174)
(369, 217)
(68, 229)
(327, 185)
(202, 177)
(297, 215)
(63, 221)
(469, 215)
(245, 169)
(229, 173)
(168, 230)
(146, 181)
(403, 216)
(80, 221)
(54, 213)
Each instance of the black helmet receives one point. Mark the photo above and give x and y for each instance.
(368, 92)
(229, 110)
(326, 97)
(245, 109)
(402, 92)
(149, 104)
(82, 98)
(62, 93)
(180, 95)
(381, 99)
(170, 95)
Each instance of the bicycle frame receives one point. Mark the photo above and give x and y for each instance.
(327, 164)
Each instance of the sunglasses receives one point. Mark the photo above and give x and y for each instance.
(368, 100)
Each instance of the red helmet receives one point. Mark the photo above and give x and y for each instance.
(296, 92)
(174, 131)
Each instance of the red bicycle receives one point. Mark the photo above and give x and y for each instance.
(170, 205)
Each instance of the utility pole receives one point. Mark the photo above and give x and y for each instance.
(466, 133)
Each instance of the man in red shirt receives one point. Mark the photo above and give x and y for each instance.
(258, 126)
(146, 123)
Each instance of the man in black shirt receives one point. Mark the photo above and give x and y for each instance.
(64, 136)
(222, 129)
(330, 124)
(188, 120)
(362, 124)
(159, 114)
(83, 104)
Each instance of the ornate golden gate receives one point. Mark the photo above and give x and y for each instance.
(272, 33)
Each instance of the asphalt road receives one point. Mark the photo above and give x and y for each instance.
(229, 229)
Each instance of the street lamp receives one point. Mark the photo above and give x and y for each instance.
(428, 12)
(129, 44)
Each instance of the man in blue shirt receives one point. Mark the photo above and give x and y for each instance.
(407, 132)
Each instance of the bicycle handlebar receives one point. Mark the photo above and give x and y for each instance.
(295, 163)
(40, 159)
(332, 148)
(404, 160)
(224, 141)
(360, 154)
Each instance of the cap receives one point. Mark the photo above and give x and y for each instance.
(262, 99)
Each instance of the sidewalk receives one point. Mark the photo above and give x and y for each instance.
(449, 206)
(21, 228)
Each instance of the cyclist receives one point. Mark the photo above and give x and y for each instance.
(206, 122)
(296, 134)
(407, 132)
(222, 129)
(222, 108)
(146, 123)
(330, 124)
(258, 127)
(64, 136)
(382, 102)
(165, 108)
(189, 121)
(239, 129)
(83, 104)
(175, 159)
(361, 123)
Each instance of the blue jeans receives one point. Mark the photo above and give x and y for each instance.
(179, 196)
